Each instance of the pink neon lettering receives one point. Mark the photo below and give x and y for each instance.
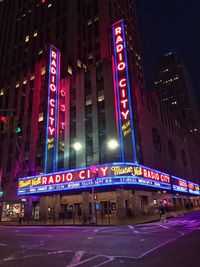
(52, 102)
(62, 125)
(82, 175)
(53, 54)
(51, 120)
(104, 170)
(62, 92)
(62, 107)
(124, 102)
(119, 48)
(121, 66)
(118, 30)
(53, 70)
(69, 176)
(44, 180)
(53, 63)
(58, 178)
(51, 130)
(119, 39)
(52, 87)
(125, 114)
(122, 83)
(120, 56)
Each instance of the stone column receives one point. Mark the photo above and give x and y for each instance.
(56, 201)
(43, 208)
(120, 199)
(85, 202)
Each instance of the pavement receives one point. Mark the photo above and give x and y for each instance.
(147, 218)
(171, 244)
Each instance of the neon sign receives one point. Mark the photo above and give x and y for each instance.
(122, 93)
(110, 174)
(52, 110)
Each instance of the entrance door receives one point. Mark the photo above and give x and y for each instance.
(105, 209)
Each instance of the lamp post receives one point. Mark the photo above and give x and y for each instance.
(111, 144)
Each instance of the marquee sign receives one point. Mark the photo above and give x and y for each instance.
(179, 185)
(122, 93)
(110, 174)
(52, 110)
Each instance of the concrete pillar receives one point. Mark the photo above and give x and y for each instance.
(120, 200)
(43, 208)
(85, 202)
(56, 201)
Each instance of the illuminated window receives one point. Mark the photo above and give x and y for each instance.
(35, 33)
(17, 85)
(43, 71)
(100, 98)
(84, 66)
(25, 82)
(69, 69)
(23, 15)
(40, 51)
(88, 101)
(41, 117)
(26, 38)
(32, 77)
(79, 63)
(89, 22)
(49, 5)
(1, 91)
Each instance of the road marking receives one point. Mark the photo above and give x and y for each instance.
(34, 235)
(108, 258)
(142, 240)
(131, 227)
(164, 226)
(89, 237)
(4, 245)
(135, 232)
(76, 259)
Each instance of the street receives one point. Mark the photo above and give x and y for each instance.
(175, 243)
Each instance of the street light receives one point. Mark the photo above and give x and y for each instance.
(111, 144)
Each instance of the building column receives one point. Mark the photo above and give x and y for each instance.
(85, 203)
(120, 200)
(43, 208)
(56, 201)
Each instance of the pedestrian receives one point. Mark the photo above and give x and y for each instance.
(162, 214)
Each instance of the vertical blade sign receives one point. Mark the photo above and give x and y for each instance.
(123, 93)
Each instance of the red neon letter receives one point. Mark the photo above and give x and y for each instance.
(119, 39)
(118, 30)
(122, 83)
(119, 48)
(121, 66)
(125, 115)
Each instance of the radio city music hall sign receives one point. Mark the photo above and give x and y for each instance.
(101, 172)
(121, 81)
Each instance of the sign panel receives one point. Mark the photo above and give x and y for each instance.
(179, 185)
(123, 93)
(111, 174)
(52, 121)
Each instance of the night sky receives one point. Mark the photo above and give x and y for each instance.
(170, 25)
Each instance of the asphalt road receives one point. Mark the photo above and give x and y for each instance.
(175, 243)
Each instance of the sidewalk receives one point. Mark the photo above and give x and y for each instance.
(127, 221)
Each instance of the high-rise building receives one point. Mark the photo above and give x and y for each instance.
(175, 88)
(72, 74)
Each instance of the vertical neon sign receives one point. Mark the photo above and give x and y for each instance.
(51, 146)
(122, 93)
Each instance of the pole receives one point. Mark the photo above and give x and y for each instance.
(27, 168)
(93, 174)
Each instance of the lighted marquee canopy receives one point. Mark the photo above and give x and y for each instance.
(112, 174)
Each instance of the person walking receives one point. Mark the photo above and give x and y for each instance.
(162, 214)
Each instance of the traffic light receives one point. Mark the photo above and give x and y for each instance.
(5, 123)
(1, 193)
(16, 125)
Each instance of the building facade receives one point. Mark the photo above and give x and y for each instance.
(72, 72)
